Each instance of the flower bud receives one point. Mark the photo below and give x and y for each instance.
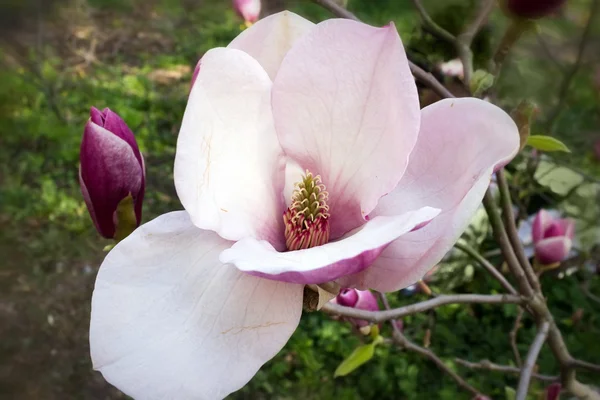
(553, 391)
(361, 299)
(111, 174)
(532, 9)
(249, 10)
(552, 237)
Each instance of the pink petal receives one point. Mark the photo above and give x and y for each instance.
(541, 222)
(460, 144)
(553, 250)
(229, 167)
(269, 40)
(346, 108)
(170, 321)
(567, 227)
(325, 263)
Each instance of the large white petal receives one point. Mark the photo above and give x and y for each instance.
(169, 321)
(229, 167)
(269, 39)
(461, 143)
(346, 108)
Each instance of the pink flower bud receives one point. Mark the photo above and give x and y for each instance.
(249, 10)
(553, 391)
(111, 169)
(552, 237)
(361, 299)
(533, 8)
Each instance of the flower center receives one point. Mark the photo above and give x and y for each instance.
(307, 218)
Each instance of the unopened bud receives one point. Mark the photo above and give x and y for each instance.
(249, 10)
(532, 9)
(361, 299)
(111, 174)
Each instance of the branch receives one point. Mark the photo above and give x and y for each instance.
(402, 341)
(381, 316)
(488, 267)
(504, 242)
(530, 361)
(585, 365)
(511, 230)
(513, 337)
(566, 83)
(423, 76)
(430, 24)
(490, 366)
(465, 39)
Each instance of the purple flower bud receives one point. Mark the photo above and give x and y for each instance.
(553, 391)
(533, 8)
(249, 10)
(552, 237)
(361, 299)
(111, 169)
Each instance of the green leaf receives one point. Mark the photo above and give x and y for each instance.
(480, 82)
(546, 143)
(359, 356)
(510, 393)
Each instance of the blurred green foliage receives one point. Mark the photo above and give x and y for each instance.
(140, 66)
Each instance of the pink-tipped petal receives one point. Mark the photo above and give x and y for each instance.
(229, 167)
(541, 222)
(328, 262)
(460, 144)
(169, 321)
(269, 40)
(552, 250)
(346, 108)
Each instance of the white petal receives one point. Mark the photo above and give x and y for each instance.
(346, 108)
(461, 143)
(325, 263)
(229, 167)
(169, 321)
(269, 39)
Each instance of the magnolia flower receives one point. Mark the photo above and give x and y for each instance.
(303, 158)
(361, 299)
(249, 10)
(552, 237)
(111, 169)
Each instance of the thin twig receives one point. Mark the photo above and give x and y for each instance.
(488, 266)
(465, 39)
(512, 232)
(420, 74)
(431, 25)
(381, 316)
(568, 78)
(531, 359)
(513, 337)
(585, 365)
(402, 341)
(490, 366)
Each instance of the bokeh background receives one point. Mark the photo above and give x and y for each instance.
(59, 57)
